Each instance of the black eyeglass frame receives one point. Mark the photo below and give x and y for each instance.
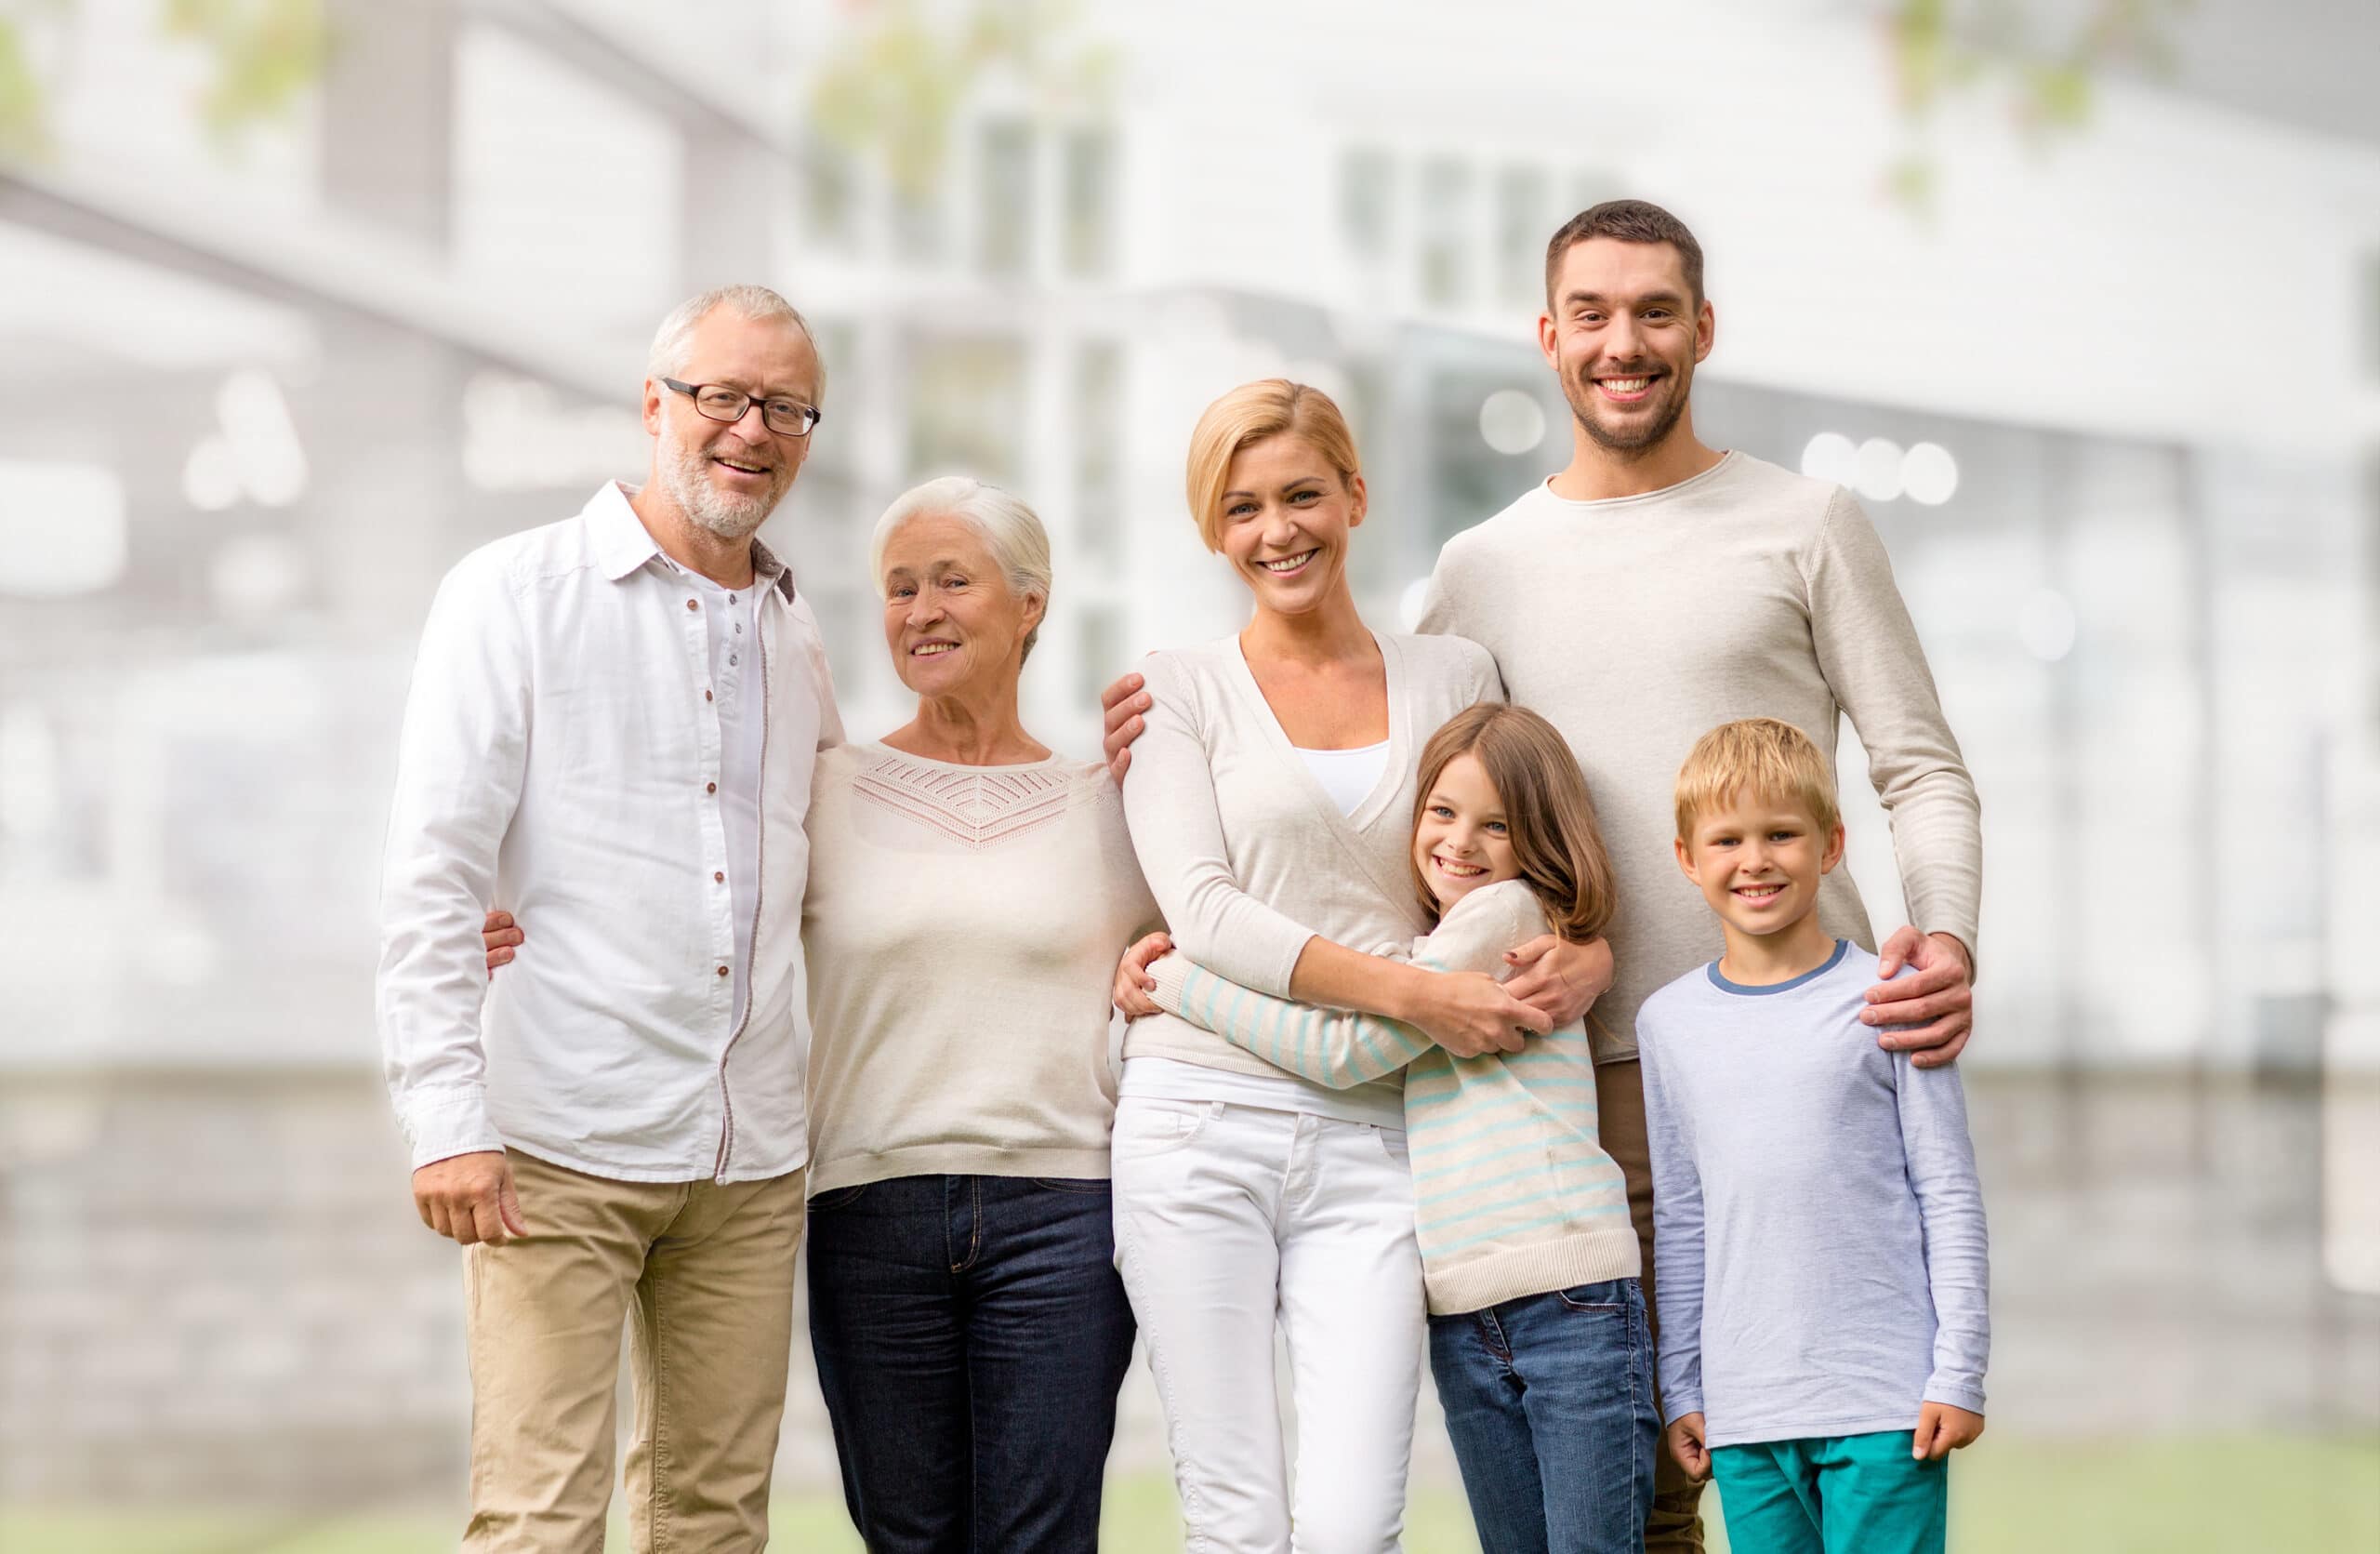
(745, 402)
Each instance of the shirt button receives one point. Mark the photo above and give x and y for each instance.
(692, 606)
(710, 788)
(739, 628)
(718, 878)
(732, 661)
(722, 971)
(706, 696)
(731, 599)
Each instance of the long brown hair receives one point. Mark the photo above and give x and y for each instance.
(1547, 813)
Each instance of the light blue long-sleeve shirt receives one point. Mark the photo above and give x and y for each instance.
(1820, 1245)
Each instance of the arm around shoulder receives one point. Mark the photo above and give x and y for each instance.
(1868, 651)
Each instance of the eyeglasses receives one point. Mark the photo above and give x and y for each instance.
(717, 402)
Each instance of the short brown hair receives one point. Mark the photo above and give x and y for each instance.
(1547, 812)
(1759, 757)
(1249, 413)
(1627, 221)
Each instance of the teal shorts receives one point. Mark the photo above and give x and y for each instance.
(1833, 1494)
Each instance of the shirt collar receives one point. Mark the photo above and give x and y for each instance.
(623, 543)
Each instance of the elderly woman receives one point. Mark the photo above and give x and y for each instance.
(969, 893)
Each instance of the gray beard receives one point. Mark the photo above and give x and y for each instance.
(730, 518)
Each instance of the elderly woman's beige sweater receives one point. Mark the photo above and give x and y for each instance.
(962, 931)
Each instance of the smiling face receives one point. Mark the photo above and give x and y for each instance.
(730, 478)
(1758, 859)
(1463, 840)
(1286, 518)
(1623, 334)
(955, 626)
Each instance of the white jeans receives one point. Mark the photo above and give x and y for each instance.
(1226, 1217)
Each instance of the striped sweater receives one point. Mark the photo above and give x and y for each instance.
(1513, 1194)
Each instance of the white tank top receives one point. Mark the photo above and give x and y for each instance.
(1348, 775)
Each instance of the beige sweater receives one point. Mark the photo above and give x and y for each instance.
(1246, 853)
(1636, 625)
(961, 928)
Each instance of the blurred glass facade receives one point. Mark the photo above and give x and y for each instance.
(275, 366)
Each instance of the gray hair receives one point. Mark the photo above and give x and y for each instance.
(1020, 546)
(758, 304)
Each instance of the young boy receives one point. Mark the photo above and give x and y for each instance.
(1818, 1227)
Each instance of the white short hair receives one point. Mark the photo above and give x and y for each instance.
(670, 343)
(1020, 546)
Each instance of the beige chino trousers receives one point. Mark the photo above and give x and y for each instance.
(706, 1273)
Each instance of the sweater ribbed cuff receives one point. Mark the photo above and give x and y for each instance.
(1169, 971)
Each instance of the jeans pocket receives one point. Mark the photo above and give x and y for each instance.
(1087, 1187)
(1610, 1295)
(837, 1198)
(1394, 1144)
(1146, 1128)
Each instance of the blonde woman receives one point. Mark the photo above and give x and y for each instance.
(1269, 800)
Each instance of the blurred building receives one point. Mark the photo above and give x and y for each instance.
(2111, 394)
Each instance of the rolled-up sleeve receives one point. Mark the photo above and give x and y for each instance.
(460, 765)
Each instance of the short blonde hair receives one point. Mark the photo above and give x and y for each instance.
(1759, 757)
(1009, 530)
(1249, 413)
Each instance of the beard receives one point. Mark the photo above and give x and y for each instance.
(1585, 401)
(724, 513)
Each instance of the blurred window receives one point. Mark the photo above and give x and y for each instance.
(1004, 189)
(918, 226)
(1447, 232)
(1523, 224)
(2372, 316)
(1098, 423)
(1103, 652)
(1366, 188)
(1087, 239)
(545, 159)
(1589, 188)
(829, 199)
(966, 404)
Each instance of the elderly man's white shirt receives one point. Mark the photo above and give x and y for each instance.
(561, 758)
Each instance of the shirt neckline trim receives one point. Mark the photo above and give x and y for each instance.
(1842, 947)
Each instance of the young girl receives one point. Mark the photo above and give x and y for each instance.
(1538, 1332)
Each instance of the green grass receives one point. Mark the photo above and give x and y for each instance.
(2247, 1495)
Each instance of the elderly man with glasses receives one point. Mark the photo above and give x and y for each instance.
(611, 730)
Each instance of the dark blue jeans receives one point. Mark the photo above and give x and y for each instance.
(972, 1335)
(1550, 1402)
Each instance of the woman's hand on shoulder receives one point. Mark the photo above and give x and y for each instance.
(1560, 978)
(1134, 983)
(1122, 705)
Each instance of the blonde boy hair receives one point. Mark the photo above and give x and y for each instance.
(1760, 757)
(1249, 413)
